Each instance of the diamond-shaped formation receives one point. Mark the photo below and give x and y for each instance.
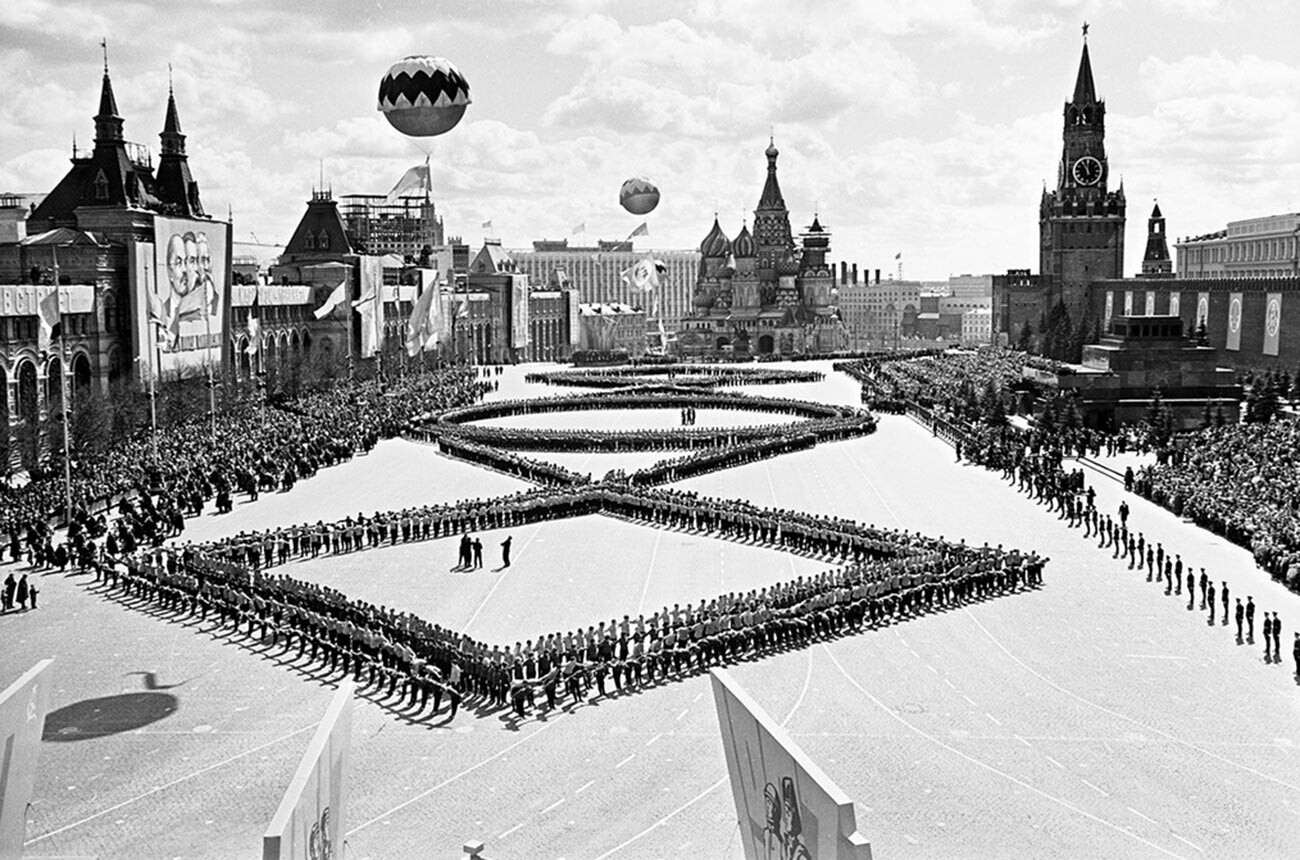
(878, 575)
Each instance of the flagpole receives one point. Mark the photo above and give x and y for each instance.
(155, 361)
(63, 392)
(347, 303)
(212, 382)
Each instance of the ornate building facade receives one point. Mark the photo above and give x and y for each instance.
(760, 293)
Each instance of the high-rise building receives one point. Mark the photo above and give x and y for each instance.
(404, 227)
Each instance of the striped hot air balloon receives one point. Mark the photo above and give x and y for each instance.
(638, 195)
(423, 96)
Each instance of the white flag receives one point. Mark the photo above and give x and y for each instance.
(414, 179)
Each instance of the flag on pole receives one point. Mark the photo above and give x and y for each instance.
(581, 228)
(898, 256)
(336, 297)
(414, 179)
(487, 225)
(48, 309)
(643, 230)
(254, 326)
(370, 305)
(420, 326)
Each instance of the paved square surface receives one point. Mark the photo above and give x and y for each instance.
(1093, 717)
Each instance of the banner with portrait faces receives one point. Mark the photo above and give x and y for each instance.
(787, 807)
(180, 288)
(1175, 303)
(1202, 312)
(1234, 322)
(1109, 312)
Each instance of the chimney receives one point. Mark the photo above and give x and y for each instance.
(877, 276)
(844, 273)
(855, 274)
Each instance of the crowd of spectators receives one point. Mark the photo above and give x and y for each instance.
(1241, 481)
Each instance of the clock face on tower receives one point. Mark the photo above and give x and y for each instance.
(1087, 170)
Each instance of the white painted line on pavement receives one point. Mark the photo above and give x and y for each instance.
(995, 720)
(552, 806)
(653, 739)
(969, 699)
(697, 798)
(586, 785)
(1105, 710)
(650, 569)
(449, 780)
(625, 761)
(511, 830)
(1054, 761)
(684, 712)
(978, 763)
(1022, 740)
(500, 579)
(1097, 789)
(698, 696)
(950, 683)
(177, 781)
(1186, 842)
(931, 668)
(1140, 815)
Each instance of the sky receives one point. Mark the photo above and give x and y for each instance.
(926, 128)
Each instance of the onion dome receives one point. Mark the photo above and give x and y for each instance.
(772, 152)
(716, 244)
(743, 245)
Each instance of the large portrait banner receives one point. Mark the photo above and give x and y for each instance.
(180, 286)
(1272, 322)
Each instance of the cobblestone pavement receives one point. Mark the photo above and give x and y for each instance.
(1092, 717)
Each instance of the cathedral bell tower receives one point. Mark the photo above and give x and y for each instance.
(1081, 222)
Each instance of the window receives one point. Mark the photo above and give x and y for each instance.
(309, 241)
(101, 186)
(324, 242)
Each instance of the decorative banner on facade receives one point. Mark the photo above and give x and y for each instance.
(1110, 312)
(369, 305)
(1234, 321)
(22, 722)
(575, 325)
(1151, 303)
(309, 823)
(1272, 322)
(1202, 312)
(180, 293)
(1128, 303)
(519, 322)
(1175, 304)
(786, 805)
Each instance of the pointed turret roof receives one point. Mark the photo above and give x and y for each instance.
(107, 101)
(772, 198)
(172, 124)
(1155, 212)
(1084, 90)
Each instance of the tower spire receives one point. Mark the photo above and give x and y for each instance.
(1084, 90)
(108, 124)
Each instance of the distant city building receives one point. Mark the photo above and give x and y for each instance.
(1253, 248)
(612, 327)
(405, 227)
(762, 294)
(597, 273)
(977, 327)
